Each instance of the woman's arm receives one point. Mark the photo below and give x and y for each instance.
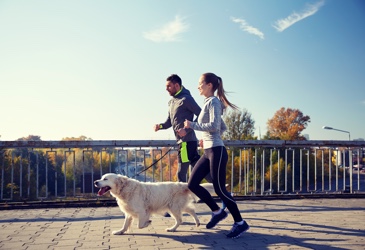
(211, 117)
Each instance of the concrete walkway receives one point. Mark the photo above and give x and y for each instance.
(275, 224)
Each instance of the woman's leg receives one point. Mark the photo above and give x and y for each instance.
(218, 161)
(192, 147)
(200, 170)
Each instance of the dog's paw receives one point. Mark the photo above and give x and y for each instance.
(119, 232)
(171, 229)
(146, 224)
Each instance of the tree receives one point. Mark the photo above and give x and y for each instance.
(80, 138)
(30, 138)
(240, 125)
(287, 124)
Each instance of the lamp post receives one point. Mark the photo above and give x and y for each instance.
(344, 131)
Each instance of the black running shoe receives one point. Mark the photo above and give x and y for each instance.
(216, 218)
(237, 230)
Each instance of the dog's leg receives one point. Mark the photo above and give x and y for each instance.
(144, 220)
(176, 214)
(191, 211)
(127, 224)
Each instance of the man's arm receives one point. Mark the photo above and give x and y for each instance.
(165, 125)
(194, 107)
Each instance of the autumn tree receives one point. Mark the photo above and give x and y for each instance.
(287, 124)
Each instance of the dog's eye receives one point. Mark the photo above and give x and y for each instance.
(105, 179)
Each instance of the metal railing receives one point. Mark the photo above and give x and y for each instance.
(51, 170)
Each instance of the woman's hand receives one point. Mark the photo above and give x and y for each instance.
(187, 124)
(181, 132)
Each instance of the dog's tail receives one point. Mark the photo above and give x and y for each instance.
(195, 198)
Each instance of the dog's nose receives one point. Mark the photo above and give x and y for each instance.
(96, 182)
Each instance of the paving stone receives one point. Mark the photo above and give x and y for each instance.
(275, 224)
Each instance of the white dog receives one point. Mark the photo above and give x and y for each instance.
(141, 199)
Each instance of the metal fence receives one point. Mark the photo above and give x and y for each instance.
(51, 170)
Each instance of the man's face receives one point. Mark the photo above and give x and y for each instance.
(172, 88)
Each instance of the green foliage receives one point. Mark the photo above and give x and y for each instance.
(30, 138)
(240, 125)
(80, 138)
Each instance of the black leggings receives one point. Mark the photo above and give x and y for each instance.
(193, 156)
(213, 161)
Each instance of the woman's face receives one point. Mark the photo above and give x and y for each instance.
(204, 88)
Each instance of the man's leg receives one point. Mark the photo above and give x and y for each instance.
(192, 148)
(182, 171)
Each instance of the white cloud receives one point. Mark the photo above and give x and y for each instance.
(249, 29)
(282, 24)
(169, 32)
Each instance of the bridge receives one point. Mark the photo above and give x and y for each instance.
(294, 195)
(65, 170)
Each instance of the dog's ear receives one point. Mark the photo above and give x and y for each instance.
(119, 180)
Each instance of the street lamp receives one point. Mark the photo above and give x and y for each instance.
(330, 128)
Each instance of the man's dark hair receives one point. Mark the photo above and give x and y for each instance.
(174, 79)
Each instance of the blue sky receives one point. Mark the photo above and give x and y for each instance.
(98, 68)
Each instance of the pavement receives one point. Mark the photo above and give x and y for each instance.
(275, 224)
